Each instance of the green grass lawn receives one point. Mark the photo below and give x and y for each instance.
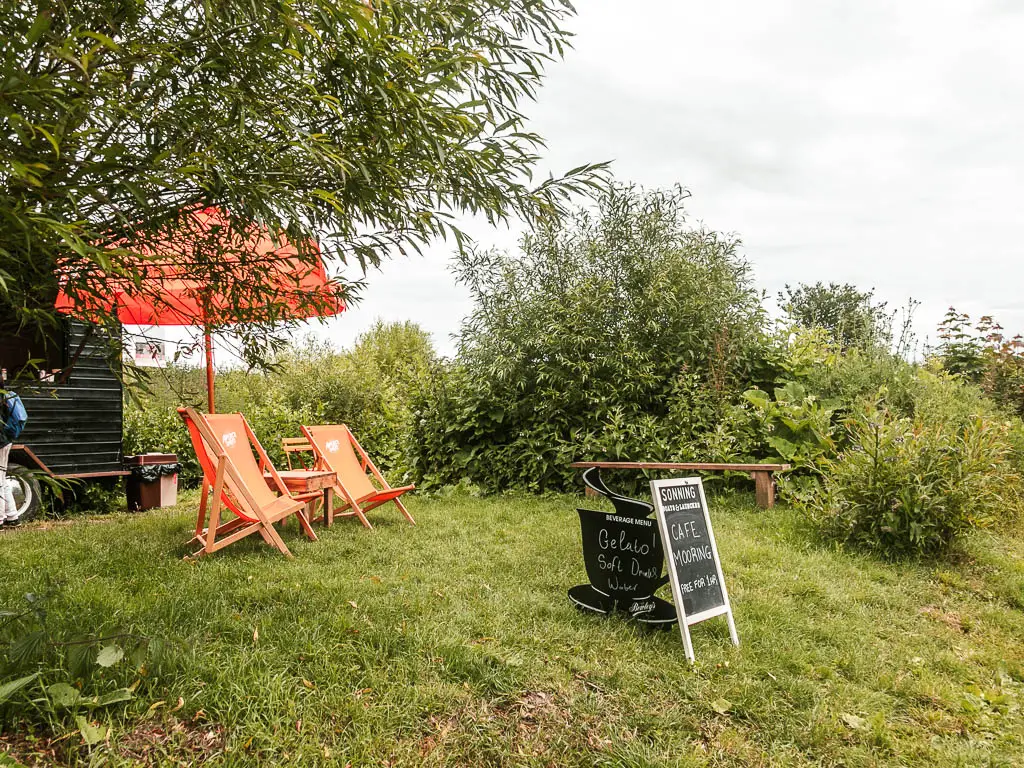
(453, 643)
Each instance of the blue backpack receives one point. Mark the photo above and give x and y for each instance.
(13, 417)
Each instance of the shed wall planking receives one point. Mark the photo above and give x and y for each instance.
(77, 427)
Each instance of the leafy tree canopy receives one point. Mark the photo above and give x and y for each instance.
(629, 281)
(365, 124)
(848, 314)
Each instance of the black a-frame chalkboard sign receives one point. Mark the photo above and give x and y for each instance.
(695, 571)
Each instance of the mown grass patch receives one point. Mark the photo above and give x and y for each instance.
(453, 644)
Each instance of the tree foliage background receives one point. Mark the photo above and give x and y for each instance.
(625, 333)
(849, 315)
(368, 126)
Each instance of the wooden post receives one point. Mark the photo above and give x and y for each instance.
(764, 489)
(209, 367)
(202, 511)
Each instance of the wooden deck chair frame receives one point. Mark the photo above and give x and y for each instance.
(224, 487)
(297, 445)
(351, 505)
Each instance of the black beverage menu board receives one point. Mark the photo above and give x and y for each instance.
(623, 555)
(624, 559)
(693, 564)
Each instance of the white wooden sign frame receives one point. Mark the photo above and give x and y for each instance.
(685, 622)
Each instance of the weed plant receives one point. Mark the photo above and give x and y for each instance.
(905, 488)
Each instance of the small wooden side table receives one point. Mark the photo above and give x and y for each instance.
(304, 481)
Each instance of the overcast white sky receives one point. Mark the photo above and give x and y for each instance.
(877, 143)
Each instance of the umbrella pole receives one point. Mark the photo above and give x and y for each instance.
(209, 367)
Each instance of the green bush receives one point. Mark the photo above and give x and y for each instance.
(842, 376)
(797, 426)
(368, 387)
(623, 334)
(155, 429)
(938, 397)
(908, 489)
(848, 316)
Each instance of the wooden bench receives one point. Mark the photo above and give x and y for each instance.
(764, 482)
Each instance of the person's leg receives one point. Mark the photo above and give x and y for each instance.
(4, 453)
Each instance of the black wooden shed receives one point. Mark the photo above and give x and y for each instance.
(74, 403)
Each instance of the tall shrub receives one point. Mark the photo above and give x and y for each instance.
(369, 387)
(986, 356)
(583, 343)
(848, 315)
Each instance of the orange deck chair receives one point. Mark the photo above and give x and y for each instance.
(338, 451)
(224, 444)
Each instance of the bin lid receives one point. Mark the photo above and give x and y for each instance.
(151, 458)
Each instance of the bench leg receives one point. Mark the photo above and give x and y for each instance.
(764, 489)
